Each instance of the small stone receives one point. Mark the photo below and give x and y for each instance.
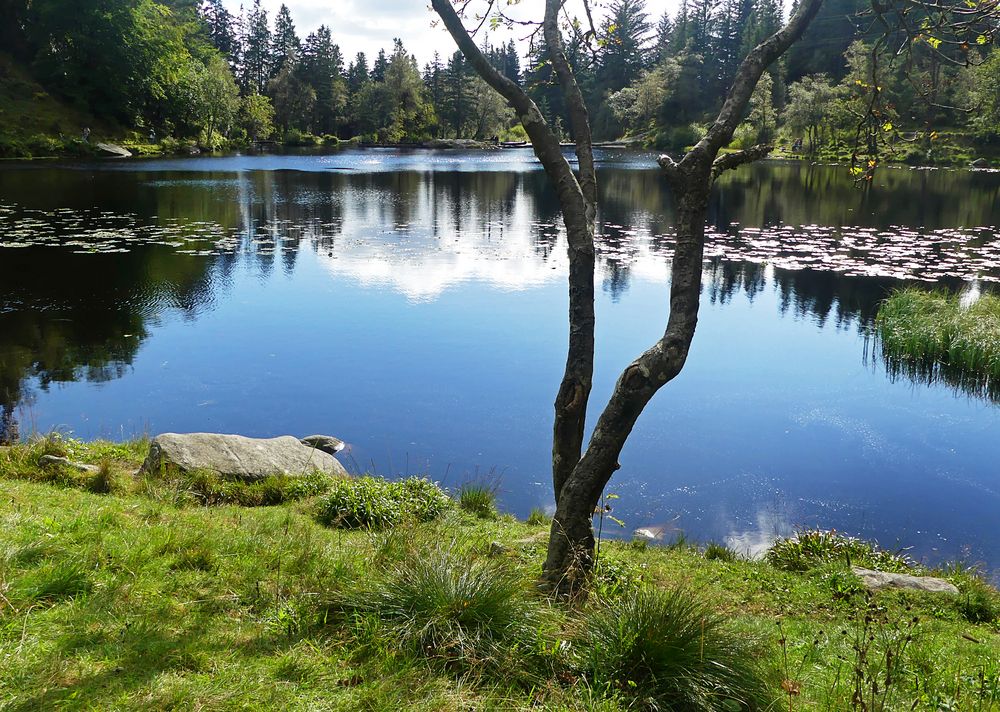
(326, 443)
(49, 460)
(878, 580)
(496, 549)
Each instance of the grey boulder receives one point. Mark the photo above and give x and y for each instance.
(326, 443)
(236, 457)
(877, 580)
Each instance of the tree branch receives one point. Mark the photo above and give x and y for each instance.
(729, 161)
(577, 108)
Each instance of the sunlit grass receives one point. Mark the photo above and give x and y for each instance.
(146, 600)
(929, 335)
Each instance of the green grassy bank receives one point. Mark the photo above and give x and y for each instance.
(124, 593)
(929, 335)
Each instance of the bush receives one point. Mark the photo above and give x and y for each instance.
(376, 503)
(814, 547)
(672, 652)
(468, 614)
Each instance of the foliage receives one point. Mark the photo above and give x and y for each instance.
(814, 547)
(671, 651)
(927, 335)
(256, 117)
(372, 502)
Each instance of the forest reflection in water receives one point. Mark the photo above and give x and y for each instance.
(182, 284)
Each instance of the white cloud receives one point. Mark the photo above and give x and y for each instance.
(368, 25)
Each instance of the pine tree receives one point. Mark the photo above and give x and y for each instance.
(624, 39)
(285, 44)
(357, 73)
(322, 69)
(255, 60)
(221, 27)
(378, 69)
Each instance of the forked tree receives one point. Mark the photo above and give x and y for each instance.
(581, 471)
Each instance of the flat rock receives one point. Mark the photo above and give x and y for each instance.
(115, 150)
(877, 580)
(236, 457)
(326, 443)
(46, 460)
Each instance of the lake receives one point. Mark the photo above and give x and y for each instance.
(414, 304)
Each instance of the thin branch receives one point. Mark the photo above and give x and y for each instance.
(729, 161)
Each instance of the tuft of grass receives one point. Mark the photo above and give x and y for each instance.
(720, 552)
(50, 582)
(375, 503)
(814, 547)
(929, 335)
(478, 498)
(538, 517)
(472, 615)
(669, 650)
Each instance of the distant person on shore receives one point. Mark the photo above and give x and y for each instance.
(86, 134)
(152, 135)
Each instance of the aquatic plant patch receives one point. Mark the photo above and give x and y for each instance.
(935, 335)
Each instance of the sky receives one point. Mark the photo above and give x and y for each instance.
(368, 25)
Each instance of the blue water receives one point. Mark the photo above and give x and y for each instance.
(416, 307)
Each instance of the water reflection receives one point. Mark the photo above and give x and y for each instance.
(421, 314)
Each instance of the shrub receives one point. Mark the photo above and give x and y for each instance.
(478, 498)
(377, 503)
(468, 614)
(672, 652)
(814, 547)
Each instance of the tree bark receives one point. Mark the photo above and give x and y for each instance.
(570, 555)
(579, 481)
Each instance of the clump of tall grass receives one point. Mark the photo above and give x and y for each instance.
(375, 503)
(209, 488)
(814, 547)
(671, 651)
(479, 498)
(472, 615)
(538, 517)
(925, 335)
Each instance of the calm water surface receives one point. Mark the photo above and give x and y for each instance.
(414, 304)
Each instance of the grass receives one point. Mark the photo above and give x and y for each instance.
(143, 599)
(672, 651)
(375, 503)
(930, 335)
(479, 498)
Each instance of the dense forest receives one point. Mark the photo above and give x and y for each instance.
(179, 73)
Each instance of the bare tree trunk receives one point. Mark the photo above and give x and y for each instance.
(571, 541)
(578, 481)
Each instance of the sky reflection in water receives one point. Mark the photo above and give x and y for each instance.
(414, 304)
